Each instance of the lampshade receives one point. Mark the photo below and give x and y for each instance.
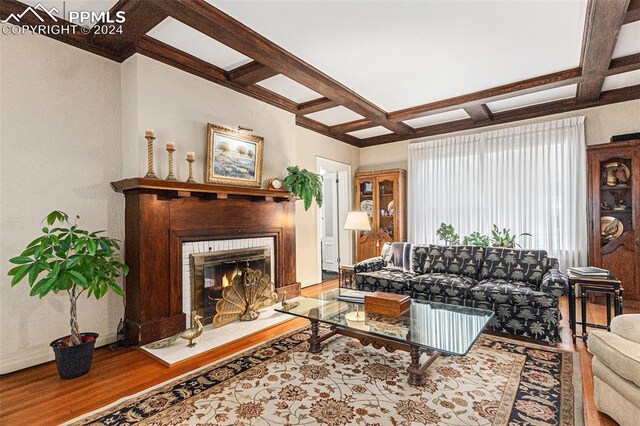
(357, 221)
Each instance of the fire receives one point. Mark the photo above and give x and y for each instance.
(227, 282)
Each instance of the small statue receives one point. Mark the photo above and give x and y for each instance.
(287, 306)
(605, 206)
(189, 334)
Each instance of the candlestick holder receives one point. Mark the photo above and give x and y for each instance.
(191, 179)
(150, 173)
(171, 176)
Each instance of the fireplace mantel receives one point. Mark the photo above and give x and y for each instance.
(161, 215)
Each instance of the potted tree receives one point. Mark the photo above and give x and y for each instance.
(304, 184)
(67, 258)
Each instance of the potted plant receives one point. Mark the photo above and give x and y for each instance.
(476, 239)
(504, 238)
(67, 258)
(448, 234)
(304, 184)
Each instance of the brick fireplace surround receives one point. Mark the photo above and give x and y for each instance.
(160, 216)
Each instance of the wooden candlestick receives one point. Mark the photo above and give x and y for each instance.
(150, 173)
(171, 176)
(191, 179)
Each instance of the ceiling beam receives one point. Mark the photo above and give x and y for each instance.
(602, 26)
(624, 64)
(316, 105)
(353, 126)
(251, 73)
(633, 13)
(205, 18)
(141, 17)
(523, 87)
(479, 113)
(540, 110)
(76, 39)
(321, 128)
(169, 55)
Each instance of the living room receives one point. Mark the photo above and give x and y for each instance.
(320, 212)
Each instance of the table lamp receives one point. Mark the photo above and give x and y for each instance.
(357, 221)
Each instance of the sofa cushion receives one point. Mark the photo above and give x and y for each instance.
(619, 354)
(627, 326)
(450, 285)
(519, 293)
(461, 260)
(419, 254)
(389, 280)
(514, 264)
(397, 255)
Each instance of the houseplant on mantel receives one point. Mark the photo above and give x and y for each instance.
(73, 260)
(304, 184)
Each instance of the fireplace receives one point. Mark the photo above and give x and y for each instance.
(215, 270)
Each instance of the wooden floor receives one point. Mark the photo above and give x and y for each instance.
(37, 396)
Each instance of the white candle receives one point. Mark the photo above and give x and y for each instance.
(149, 133)
(171, 145)
(191, 155)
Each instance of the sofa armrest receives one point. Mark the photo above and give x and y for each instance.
(369, 265)
(555, 282)
(627, 326)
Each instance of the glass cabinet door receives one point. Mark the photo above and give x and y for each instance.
(386, 209)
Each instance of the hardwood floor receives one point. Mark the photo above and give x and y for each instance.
(37, 396)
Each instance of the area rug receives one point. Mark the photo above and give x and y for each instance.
(500, 382)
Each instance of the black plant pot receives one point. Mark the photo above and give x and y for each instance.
(74, 361)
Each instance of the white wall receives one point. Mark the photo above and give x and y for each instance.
(600, 124)
(72, 122)
(60, 147)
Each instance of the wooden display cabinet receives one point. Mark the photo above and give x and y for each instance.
(382, 194)
(614, 211)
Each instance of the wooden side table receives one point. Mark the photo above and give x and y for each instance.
(347, 277)
(610, 286)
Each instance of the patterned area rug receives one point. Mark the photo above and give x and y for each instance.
(500, 382)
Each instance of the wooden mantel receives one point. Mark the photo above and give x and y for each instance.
(184, 189)
(161, 215)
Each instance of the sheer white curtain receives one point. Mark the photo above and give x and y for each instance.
(529, 179)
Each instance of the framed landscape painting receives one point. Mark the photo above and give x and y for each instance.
(233, 158)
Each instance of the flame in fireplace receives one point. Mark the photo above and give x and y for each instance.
(226, 282)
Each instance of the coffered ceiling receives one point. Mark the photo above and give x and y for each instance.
(372, 72)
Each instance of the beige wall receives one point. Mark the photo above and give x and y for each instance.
(71, 123)
(600, 124)
(60, 147)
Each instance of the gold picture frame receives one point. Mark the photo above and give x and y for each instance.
(233, 158)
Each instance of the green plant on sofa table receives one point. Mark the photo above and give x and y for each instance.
(447, 233)
(305, 184)
(73, 260)
(476, 239)
(504, 238)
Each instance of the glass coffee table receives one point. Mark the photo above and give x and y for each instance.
(428, 327)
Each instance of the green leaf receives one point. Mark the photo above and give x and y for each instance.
(78, 278)
(116, 288)
(20, 273)
(20, 260)
(91, 246)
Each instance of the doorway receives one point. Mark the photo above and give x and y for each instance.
(335, 242)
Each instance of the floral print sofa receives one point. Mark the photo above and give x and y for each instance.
(521, 286)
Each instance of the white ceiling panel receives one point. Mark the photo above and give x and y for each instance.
(443, 117)
(288, 88)
(628, 40)
(335, 116)
(369, 133)
(63, 7)
(533, 98)
(399, 54)
(193, 42)
(621, 80)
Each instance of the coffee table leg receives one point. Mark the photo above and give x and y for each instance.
(416, 369)
(315, 343)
